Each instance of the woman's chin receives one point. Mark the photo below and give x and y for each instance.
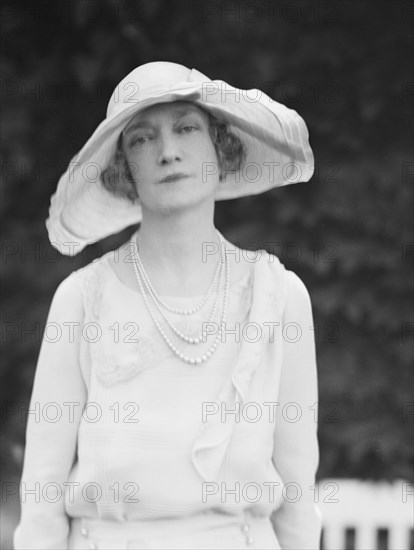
(177, 203)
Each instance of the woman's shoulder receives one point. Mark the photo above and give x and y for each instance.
(287, 289)
(297, 296)
(289, 278)
(88, 279)
(98, 266)
(246, 260)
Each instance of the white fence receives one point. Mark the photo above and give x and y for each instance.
(360, 515)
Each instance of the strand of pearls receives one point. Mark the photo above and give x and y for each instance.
(188, 311)
(188, 339)
(205, 356)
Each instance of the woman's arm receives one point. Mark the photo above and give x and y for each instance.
(297, 522)
(50, 450)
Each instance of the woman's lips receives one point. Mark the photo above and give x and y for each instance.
(173, 177)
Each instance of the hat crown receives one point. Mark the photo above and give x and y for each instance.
(151, 78)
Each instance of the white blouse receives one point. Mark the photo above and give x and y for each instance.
(122, 431)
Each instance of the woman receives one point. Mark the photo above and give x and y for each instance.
(186, 413)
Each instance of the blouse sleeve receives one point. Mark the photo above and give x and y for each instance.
(54, 413)
(297, 522)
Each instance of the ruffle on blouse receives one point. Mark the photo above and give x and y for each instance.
(269, 296)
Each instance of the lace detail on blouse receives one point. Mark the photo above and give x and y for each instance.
(113, 365)
(113, 356)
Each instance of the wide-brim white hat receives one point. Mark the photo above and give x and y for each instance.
(276, 139)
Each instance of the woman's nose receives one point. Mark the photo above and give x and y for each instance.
(169, 149)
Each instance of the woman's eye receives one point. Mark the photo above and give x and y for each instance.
(188, 129)
(140, 139)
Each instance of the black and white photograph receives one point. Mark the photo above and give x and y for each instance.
(207, 255)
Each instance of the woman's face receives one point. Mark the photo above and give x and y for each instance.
(171, 156)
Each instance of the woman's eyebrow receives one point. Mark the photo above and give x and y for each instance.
(137, 125)
(178, 113)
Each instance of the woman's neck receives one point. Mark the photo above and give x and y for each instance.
(179, 256)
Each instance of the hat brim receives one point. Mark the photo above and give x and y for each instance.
(276, 139)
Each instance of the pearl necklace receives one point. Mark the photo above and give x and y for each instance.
(205, 356)
(154, 296)
(205, 297)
